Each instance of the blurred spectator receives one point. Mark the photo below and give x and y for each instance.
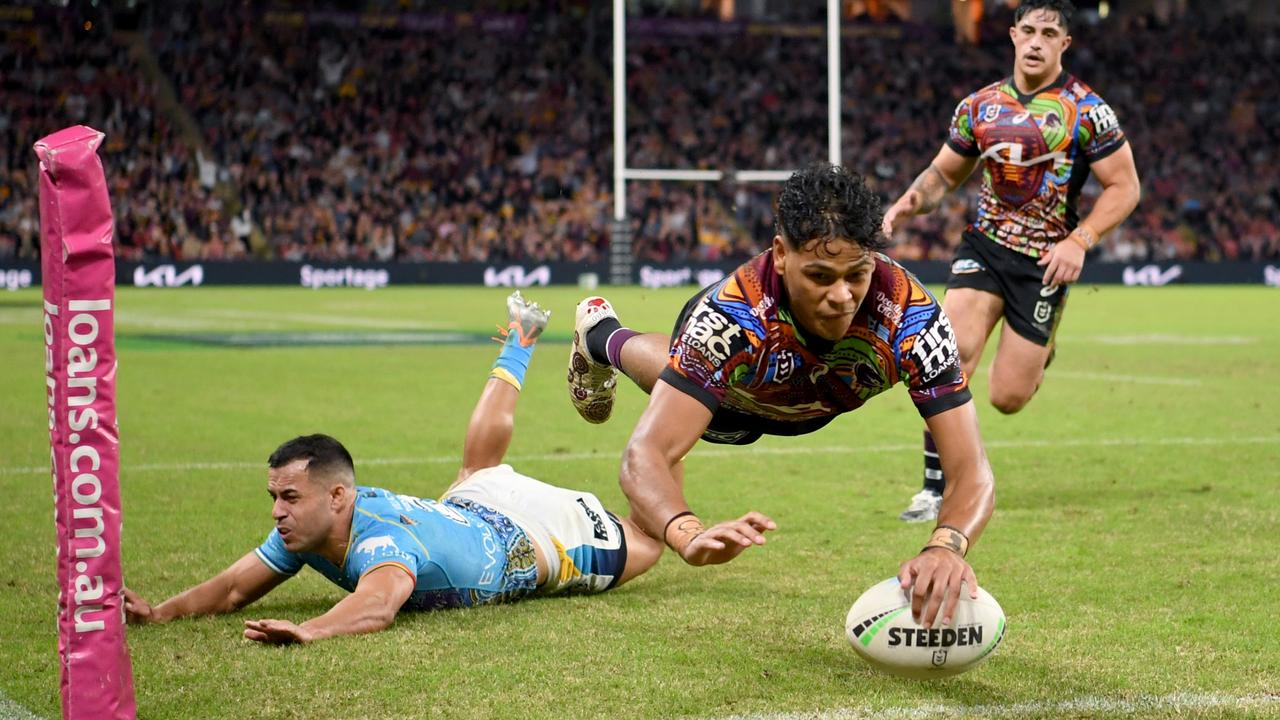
(493, 142)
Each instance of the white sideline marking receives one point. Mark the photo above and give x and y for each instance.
(1092, 706)
(10, 710)
(1135, 379)
(1163, 339)
(704, 451)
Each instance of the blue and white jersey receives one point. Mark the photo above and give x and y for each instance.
(459, 556)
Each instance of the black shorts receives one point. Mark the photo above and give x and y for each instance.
(1032, 309)
(730, 427)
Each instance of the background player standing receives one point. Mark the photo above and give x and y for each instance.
(1038, 134)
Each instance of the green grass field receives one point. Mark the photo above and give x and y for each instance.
(1135, 545)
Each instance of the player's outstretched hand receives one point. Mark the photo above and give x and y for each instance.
(136, 610)
(934, 578)
(907, 205)
(276, 632)
(1062, 264)
(726, 541)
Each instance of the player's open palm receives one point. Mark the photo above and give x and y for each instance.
(726, 541)
(275, 632)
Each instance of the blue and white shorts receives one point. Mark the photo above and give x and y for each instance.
(582, 542)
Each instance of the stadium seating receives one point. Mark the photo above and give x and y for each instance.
(317, 140)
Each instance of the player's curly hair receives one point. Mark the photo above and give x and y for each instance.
(324, 455)
(1065, 9)
(829, 202)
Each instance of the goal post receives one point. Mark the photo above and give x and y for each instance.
(620, 247)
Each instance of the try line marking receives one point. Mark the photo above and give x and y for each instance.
(10, 710)
(1135, 379)
(700, 451)
(1077, 707)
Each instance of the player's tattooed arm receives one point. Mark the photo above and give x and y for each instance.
(931, 186)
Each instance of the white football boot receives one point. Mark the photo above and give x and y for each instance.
(525, 319)
(592, 385)
(924, 506)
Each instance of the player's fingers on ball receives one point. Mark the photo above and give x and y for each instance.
(906, 573)
(971, 578)
(937, 597)
(920, 593)
(950, 601)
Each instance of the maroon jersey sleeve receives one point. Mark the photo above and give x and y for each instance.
(709, 350)
(929, 360)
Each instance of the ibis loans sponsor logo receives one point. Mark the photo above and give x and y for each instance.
(370, 279)
(84, 462)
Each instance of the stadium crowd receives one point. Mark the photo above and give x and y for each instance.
(331, 142)
(50, 78)
(382, 145)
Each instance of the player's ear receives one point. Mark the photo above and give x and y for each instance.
(1066, 43)
(779, 254)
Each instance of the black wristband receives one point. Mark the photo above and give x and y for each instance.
(674, 518)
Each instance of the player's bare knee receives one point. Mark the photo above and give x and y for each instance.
(1009, 402)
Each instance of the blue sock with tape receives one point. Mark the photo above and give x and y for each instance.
(513, 361)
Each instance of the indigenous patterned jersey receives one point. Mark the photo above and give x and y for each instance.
(459, 556)
(1036, 151)
(740, 349)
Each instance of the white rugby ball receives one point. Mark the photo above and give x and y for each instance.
(880, 628)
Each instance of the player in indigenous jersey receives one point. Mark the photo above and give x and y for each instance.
(810, 329)
(494, 536)
(1037, 134)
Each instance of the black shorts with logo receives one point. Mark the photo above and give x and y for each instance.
(1032, 309)
(730, 427)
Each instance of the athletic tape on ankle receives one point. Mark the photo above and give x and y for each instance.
(512, 362)
(506, 377)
